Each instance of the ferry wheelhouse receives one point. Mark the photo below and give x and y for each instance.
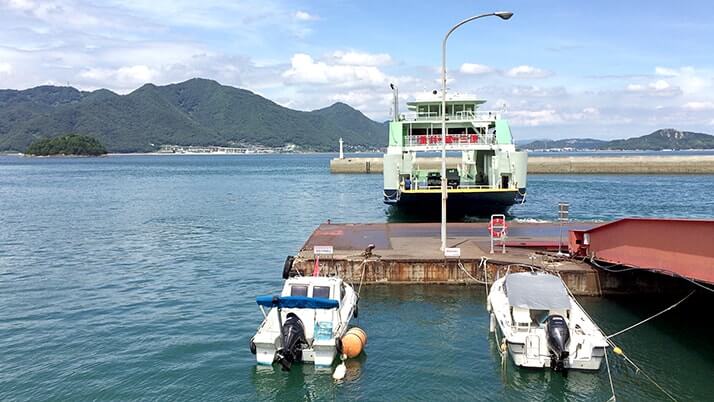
(489, 177)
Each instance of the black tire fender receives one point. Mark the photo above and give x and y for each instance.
(252, 347)
(356, 312)
(288, 266)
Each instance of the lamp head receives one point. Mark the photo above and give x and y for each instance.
(504, 14)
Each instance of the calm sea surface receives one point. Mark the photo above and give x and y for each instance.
(134, 277)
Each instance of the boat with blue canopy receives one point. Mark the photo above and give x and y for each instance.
(296, 302)
(305, 323)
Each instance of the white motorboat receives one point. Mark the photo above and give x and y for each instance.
(542, 325)
(305, 323)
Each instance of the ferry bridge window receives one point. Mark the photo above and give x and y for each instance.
(321, 291)
(298, 290)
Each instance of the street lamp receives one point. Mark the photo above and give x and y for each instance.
(503, 15)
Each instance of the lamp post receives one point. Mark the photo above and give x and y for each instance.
(503, 15)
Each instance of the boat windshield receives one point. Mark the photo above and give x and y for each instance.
(321, 291)
(298, 290)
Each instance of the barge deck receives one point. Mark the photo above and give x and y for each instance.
(405, 253)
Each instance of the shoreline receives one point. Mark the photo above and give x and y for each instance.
(623, 164)
(532, 153)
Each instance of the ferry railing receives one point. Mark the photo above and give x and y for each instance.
(464, 115)
(451, 139)
(421, 185)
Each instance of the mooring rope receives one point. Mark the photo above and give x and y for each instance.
(697, 283)
(651, 317)
(361, 280)
(460, 265)
(609, 269)
(484, 263)
(616, 349)
(609, 376)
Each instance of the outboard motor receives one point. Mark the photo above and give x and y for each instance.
(558, 337)
(293, 332)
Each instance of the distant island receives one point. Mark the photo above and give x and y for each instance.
(197, 112)
(71, 144)
(664, 139)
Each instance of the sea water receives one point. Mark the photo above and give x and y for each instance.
(134, 277)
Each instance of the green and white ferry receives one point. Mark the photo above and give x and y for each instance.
(490, 176)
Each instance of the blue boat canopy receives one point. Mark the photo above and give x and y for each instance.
(296, 302)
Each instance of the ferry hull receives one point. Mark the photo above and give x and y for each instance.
(481, 203)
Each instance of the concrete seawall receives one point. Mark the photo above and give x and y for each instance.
(630, 164)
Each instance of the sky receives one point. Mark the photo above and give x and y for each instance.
(559, 69)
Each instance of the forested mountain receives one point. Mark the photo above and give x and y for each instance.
(574, 143)
(667, 138)
(194, 112)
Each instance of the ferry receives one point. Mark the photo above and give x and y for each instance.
(490, 176)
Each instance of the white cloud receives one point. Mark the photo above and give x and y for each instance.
(698, 106)
(367, 101)
(305, 16)
(475, 69)
(537, 91)
(305, 70)
(123, 76)
(530, 118)
(5, 68)
(665, 71)
(525, 71)
(551, 115)
(689, 79)
(661, 85)
(353, 58)
(655, 88)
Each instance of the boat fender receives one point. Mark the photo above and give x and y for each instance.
(356, 312)
(340, 371)
(354, 342)
(252, 347)
(288, 266)
(338, 345)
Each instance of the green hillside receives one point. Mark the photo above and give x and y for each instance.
(667, 138)
(195, 112)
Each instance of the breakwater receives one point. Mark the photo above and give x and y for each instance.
(629, 164)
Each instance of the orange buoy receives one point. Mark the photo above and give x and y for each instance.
(353, 342)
